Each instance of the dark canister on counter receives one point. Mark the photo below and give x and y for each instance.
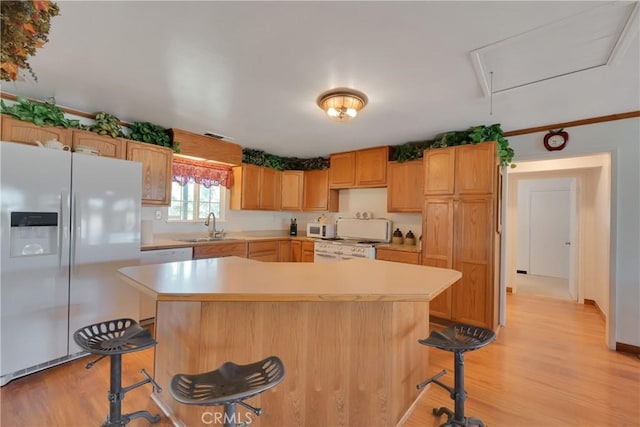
(293, 228)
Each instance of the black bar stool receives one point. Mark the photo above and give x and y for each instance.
(458, 338)
(228, 385)
(114, 338)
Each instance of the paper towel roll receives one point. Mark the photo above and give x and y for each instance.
(146, 232)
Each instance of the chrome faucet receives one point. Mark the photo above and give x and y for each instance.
(212, 226)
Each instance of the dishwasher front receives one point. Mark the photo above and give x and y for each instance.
(158, 256)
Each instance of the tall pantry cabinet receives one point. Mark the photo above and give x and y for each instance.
(461, 229)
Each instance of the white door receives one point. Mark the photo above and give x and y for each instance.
(550, 233)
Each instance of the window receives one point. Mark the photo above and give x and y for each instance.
(197, 189)
(193, 202)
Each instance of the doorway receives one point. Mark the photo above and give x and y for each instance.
(588, 180)
(547, 220)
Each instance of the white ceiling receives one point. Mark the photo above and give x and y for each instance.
(253, 70)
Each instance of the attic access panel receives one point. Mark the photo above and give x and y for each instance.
(590, 39)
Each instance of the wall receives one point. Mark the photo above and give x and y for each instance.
(351, 201)
(622, 139)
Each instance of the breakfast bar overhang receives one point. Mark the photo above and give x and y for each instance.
(346, 332)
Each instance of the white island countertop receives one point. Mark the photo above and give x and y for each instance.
(241, 279)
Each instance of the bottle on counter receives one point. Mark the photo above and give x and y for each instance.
(410, 239)
(397, 237)
(293, 228)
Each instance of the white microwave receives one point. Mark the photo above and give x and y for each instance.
(326, 231)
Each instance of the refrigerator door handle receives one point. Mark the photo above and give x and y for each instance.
(61, 227)
(75, 229)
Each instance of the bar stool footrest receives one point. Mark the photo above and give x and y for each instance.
(452, 422)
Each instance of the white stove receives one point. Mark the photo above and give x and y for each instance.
(356, 239)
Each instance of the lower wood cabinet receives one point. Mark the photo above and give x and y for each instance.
(398, 255)
(218, 250)
(301, 251)
(263, 251)
(296, 251)
(284, 251)
(461, 233)
(307, 252)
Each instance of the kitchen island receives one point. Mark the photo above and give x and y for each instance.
(346, 332)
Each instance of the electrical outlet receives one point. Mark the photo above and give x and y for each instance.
(158, 214)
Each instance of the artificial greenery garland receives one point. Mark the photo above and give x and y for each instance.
(45, 114)
(401, 153)
(260, 158)
(414, 150)
(152, 134)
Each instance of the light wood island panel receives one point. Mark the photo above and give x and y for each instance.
(346, 335)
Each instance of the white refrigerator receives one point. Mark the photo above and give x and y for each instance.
(67, 222)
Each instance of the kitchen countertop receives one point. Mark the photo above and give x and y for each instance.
(402, 248)
(170, 241)
(241, 279)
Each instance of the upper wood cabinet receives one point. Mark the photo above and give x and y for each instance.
(255, 188)
(207, 147)
(245, 192)
(342, 170)
(316, 194)
(371, 167)
(292, 188)
(439, 171)
(465, 169)
(270, 189)
(15, 130)
(476, 167)
(405, 183)
(156, 171)
(107, 146)
(362, 168)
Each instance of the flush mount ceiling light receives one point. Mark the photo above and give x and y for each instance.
(342, 104)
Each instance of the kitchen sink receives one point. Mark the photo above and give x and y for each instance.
(205, 239)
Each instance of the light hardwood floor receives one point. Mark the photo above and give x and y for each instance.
(549, 367)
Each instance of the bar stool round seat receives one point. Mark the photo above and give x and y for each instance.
(228, 385)
(457, 338)
(114, 338)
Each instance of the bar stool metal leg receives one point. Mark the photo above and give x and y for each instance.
(457, 338)
(114, 338)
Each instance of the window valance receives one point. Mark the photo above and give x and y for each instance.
(203, 173)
